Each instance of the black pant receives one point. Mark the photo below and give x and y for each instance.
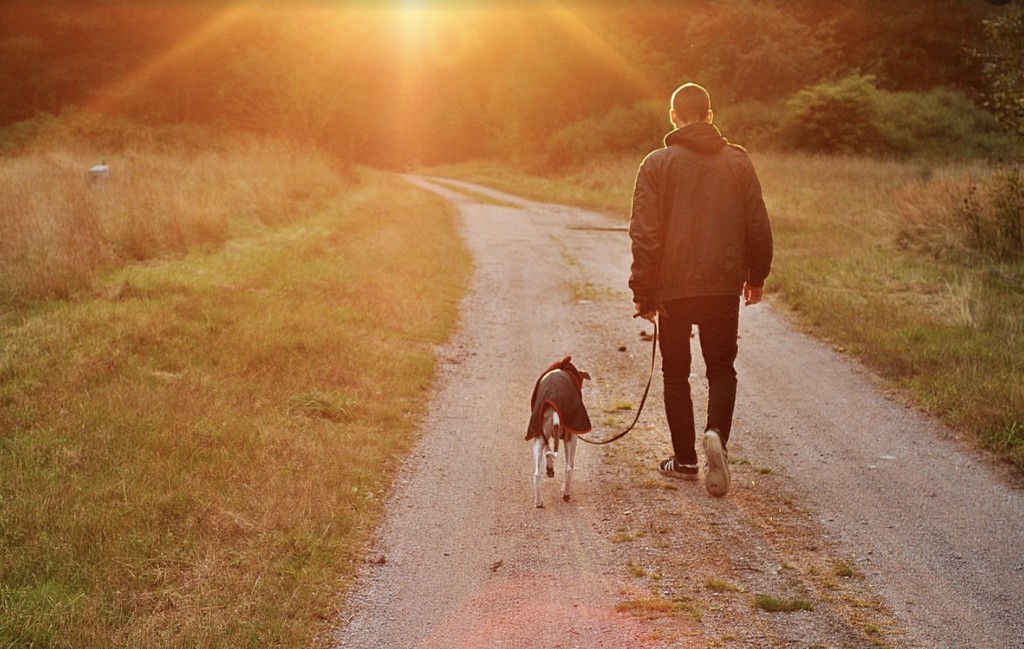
(717, 319)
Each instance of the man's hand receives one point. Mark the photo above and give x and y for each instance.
(752, 294)
(644, 312)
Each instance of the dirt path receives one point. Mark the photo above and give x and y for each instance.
(845, 505)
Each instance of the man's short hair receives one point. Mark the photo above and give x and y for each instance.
(691, 102)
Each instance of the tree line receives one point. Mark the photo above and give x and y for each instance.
(385, 83)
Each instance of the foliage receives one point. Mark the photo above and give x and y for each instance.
(92, 133)
(756, 51)
(1002, 59)
(634, 130)
(752, 124)
(835, 117)
(914, 46)
(854, 115)
(385, 83)
(939, 123)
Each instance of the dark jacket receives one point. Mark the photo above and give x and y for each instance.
(561, 387)
(699, 225)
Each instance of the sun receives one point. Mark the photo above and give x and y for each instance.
(439, 34)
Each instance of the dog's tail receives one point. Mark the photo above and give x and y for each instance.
(554, 433)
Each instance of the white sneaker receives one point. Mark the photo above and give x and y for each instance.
(716, 465)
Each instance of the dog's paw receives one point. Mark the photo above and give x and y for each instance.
(551, 473)
(539, 506)
(566, 497)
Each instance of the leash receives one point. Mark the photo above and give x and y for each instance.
(643, 399)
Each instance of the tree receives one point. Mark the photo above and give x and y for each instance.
(1002, 59)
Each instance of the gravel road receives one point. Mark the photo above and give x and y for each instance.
(828, 472)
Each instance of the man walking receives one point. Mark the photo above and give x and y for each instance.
(701, 238)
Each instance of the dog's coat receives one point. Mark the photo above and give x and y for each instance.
(560, 387)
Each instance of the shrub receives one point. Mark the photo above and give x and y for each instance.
(939, 123)
(853, 115)
(77, 130)
(753, 124)
(633, 130)
(834, 117)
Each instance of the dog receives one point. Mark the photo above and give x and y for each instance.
(557, 413)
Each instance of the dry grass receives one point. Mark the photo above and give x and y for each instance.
(58, 229)
(966, 213)
(650, 608)
(194, 452)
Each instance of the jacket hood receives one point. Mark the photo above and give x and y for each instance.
(701, 137)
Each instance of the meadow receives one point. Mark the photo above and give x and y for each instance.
(199, 418)
(878, 258)
(209, 371)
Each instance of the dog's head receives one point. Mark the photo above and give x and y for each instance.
(566, 365)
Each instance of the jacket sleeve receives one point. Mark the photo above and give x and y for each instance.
(645, 235)
(757, 232)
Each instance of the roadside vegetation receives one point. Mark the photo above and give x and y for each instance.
(916, 267)
(211, 360)
(199, 418)
(168, 191)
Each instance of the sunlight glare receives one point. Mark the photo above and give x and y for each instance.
(145, 73)
(600, 48)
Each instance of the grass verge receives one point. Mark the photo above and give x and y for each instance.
(773, 604)
(194, 453)
(949, 336)
(59, 229)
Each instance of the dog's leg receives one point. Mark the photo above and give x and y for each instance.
(570, 460)
(539, 456)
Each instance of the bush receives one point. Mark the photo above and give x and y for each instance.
(753, 124)
(633, 130)
(939, 123)
(853, 115)
(82, 131)
(834, 117)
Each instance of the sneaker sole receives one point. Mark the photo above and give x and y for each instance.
(688, 477)
(717, 479)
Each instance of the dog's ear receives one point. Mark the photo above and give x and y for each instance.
(585, 375)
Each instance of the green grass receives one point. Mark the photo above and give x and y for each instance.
(194, 450)
(773, 604)
(650, 608)
(586, 291)
(843, 569)
(637, 570)
(948, 336)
